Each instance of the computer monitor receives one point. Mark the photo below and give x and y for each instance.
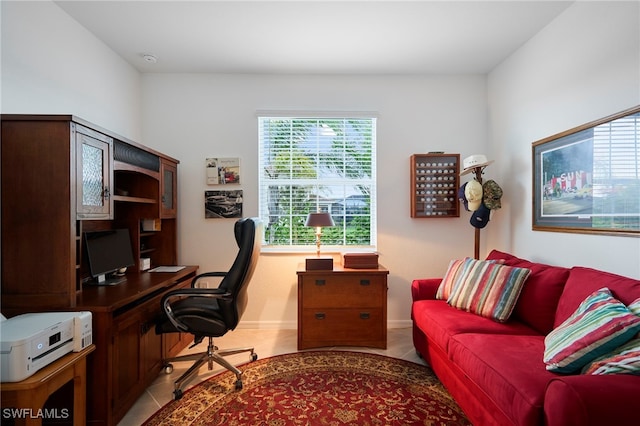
(107, 252)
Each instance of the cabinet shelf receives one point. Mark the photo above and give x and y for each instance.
(128, 199)
(122, 166)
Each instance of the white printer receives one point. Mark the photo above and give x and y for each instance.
(33, 341)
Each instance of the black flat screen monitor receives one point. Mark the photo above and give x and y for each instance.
(107, 252)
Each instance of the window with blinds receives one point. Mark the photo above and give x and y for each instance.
(320, 164)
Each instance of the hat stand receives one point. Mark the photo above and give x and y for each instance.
(477, 171)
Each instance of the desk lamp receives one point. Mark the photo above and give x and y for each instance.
(319, 220)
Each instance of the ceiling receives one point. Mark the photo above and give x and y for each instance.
(315, 37)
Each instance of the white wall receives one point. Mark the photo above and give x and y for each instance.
(192, 117)
(583, 66)
(53, 65)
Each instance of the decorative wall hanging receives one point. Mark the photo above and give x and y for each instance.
(434, 182)
(587, 179)
(222, 204)
(221, 171)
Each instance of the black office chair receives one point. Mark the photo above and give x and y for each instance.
(212, 312)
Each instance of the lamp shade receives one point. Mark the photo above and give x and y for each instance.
(319, 219)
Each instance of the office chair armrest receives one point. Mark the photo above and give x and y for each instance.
(215, 293)
(206, 274)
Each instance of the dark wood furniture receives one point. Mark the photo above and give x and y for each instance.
(342, 307)
(130, 352)
(434, 185)
(32, 392)
(63, 176)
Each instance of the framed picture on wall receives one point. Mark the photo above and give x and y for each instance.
(587, 179)
(222, 171)
(222, 204)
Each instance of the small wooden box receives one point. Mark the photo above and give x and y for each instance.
(360, 260)
(319, 264)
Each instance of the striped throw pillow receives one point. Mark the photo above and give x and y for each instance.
(454, 271)
(599, 325)
(458, 270)
(634, 307)
(623, 360)
(488, 289)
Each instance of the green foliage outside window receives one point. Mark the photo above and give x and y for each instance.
(309, 165)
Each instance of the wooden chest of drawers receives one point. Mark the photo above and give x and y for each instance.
(342, 307)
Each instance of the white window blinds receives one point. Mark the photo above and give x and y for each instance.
(317, 164)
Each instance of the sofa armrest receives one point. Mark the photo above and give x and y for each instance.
(592, 400)
(425, 289)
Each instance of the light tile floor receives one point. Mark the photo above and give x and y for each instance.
(267, 343)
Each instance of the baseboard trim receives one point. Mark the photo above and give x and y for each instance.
(268, 325)
(399, 323)
(292, 325)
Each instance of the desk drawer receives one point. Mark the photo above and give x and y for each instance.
(347, 327)
(344, 292)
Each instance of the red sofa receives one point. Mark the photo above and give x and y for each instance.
(495, 371)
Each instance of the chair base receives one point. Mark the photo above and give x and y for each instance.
(213, 354)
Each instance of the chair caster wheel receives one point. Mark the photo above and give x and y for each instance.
(168, 369)
(254, 357)
(177, 394)
(238, 384)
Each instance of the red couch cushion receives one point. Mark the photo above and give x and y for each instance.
(539, 297)
(509, 369)
(584, 281)
(439, 321)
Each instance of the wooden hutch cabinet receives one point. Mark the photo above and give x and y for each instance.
(61, 177)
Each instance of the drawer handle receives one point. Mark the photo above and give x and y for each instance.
(365, 315)
(320, 282)
(320, 315)
(365, 282)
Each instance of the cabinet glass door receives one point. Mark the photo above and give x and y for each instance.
(169, 189)
(93, 176)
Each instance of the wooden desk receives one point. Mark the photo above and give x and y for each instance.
(32, 393)
(129, 354)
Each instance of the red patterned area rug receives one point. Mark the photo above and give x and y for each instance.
(318, 388)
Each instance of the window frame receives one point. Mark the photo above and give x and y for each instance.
(371, 181)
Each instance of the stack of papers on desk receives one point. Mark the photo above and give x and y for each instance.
(167, 269)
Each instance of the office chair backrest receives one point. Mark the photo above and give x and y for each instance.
(248, 234)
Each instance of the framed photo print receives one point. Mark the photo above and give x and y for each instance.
(587, 179)
(222, 204)
(222, 171)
